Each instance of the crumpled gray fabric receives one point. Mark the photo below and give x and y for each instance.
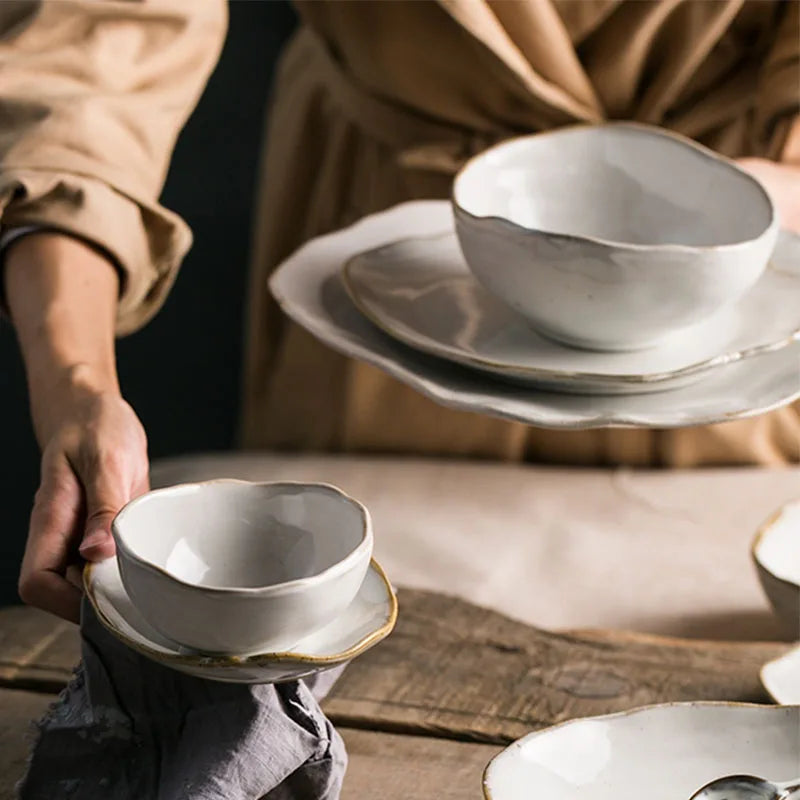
(127, 728)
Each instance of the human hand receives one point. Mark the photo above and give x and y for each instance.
(94, 460)
(782, 181)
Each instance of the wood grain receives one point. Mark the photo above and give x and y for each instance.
(17, 711)
(451, 669)
(454, 670)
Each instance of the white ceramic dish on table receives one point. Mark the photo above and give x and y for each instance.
(781, 678)
(776, 553)
(232, 567)
(421, 292)
(659, 752)
(368, 619)
(612, 237)
(310, 290)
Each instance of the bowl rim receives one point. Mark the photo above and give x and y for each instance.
(357, 554)
(652, 130)
(487, 795)
(760, 537)
(370, 639)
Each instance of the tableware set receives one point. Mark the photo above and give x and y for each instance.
(609, 275)
(244, 582)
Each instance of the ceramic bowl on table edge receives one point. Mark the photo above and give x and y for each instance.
(265, 667)
(781, 678)
(580, 275)
(282, 558)
(776, 544)
(471, 327)
(561, 759)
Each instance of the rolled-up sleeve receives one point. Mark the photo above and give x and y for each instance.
(93, 94)
(778, 111)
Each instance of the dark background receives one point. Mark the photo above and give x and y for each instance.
(182, 372)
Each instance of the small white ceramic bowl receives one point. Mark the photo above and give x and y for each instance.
(776, 553)
(235, 567)
(612, 237)
(661, 752)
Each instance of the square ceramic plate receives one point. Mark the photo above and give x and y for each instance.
(310, 290)
(781, 678)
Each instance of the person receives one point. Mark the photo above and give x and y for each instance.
(375, 103)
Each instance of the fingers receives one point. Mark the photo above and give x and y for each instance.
(56, 517)
(107, 489)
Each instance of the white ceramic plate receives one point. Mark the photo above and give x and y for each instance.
(368, 620)
(421, 292)
(309, 288)
(781, 678)
(662, 753)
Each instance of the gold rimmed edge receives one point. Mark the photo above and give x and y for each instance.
(761, 534)
(629, 712)
(259, 659)
(522, 373)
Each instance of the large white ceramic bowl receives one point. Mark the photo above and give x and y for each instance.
(235, 567)
(612, 237)
(776, 553)
(662, 753)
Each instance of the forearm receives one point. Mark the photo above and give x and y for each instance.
(62, 298)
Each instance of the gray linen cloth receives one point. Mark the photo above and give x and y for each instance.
(127, 728)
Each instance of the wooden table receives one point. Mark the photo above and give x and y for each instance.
(424, 712)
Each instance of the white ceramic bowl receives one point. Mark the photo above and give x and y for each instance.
(662, 752)
(776, 553)
(612, 237)
(236, 567)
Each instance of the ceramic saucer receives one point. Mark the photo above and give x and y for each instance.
(309, 288)
(368, 620)
(661, 752)
(781, 678)
(421, 292)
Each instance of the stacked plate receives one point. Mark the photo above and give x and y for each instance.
(395, 290)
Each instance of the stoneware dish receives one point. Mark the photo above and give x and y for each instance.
(781, 678)
(659, 752)
(612, 237)
(421, 292)
(309, 288)
(234, 567)
(776, 553)
(369, 619)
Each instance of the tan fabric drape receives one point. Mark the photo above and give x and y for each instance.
(376, 103)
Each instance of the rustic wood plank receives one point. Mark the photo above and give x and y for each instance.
(455, 670)
(37, 650)
(451, 669)
(18, 709)
(395, 767)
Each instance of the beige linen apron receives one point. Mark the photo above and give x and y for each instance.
(379, 103)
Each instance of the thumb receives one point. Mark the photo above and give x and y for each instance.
(104, 498)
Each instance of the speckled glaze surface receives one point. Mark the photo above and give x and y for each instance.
(309, 288)
(781, 678)
(230, 566)
(421, 292)
(612, 237)
(368, 619)
(776, 553)
(661, 752)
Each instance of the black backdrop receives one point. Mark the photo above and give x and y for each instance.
(182, 372)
